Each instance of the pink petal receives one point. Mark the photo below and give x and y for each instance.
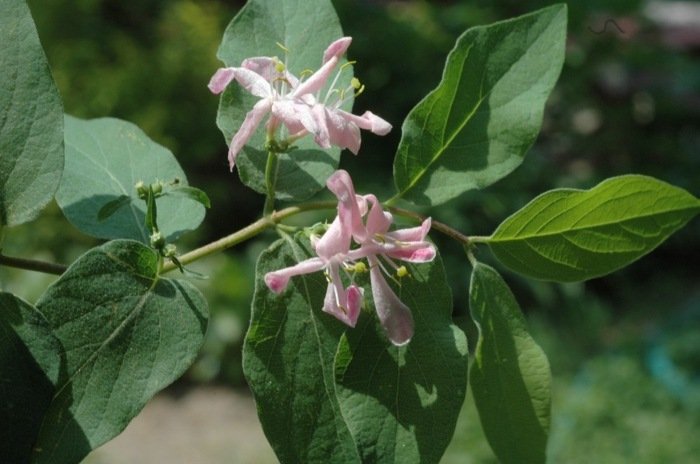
(368, 121)
(335, 241)
(267, 67)
(414, 252)
(413, 234)
(337, 48)
(278, 280)
(394, 316)
(321, 136)
(378, 220)
(344, 304)
(317, 80)
(341, 185)
(296, 116)
(221, 79)
(342, 132)
(247, 129)
(253, 82)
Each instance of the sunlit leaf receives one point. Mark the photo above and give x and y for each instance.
(477, 125)
(568, 235)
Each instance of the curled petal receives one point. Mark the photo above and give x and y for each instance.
(413, 234)
(337, 48)
(277, 280)
(395, 317)
(368, 121)
(378, 220)
(221, 79)
(247, 129)
(346, 305)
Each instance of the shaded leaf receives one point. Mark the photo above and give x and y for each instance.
(29, 365)
(105, 158)
(31, 119)
(477, 125)
(568, 235)
(402, 403)
(256, 31)
(288, 361)
(111, 207)
(126, 333)
(510, 376)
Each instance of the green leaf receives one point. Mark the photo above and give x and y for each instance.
(111, 207)
(568, 235)
(256, 31)
(192, 193)
(477, 125)
(31, 119)
(29, 365)
(126, 333)
(151, 211)
(105, 158)
(402, 403)
(510, 376)
(288, 361)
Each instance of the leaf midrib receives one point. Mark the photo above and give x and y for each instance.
(516, 238)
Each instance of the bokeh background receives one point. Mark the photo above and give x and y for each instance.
(624, 349)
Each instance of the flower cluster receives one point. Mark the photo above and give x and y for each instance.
(295, 103)
(362, 220)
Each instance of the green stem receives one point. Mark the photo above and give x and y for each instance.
(247, 232)
(33, 265)
(270, 182)
(436, 225)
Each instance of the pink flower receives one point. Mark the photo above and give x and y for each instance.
(292, 102)
(376, 242)
(361, 219)
(331, 250)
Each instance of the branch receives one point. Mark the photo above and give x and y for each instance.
(33, 265)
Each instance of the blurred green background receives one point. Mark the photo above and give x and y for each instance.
(625, 349)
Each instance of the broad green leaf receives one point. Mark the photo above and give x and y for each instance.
(479, 122)
(305, 28)
(29, 364)
(402, 403)
(288, 361)
(126, 334)
(105, 158)
(31, 119)
(568, 235)
(192, 193)
(510, 376)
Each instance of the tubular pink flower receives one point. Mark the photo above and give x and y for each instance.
(363, 220)
(395, 317)
(293, 103)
